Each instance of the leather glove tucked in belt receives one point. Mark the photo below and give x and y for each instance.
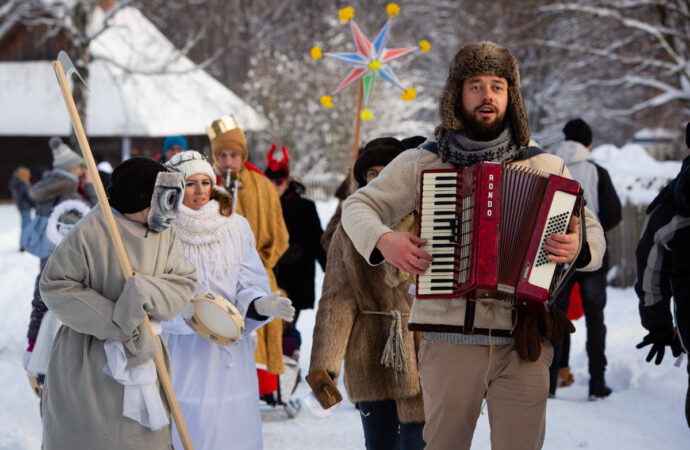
(531, 327)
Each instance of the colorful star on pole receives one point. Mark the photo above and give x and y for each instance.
(371, 60)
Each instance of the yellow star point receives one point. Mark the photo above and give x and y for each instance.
(346, 14)
(316, 53)
(374, 65)
(424, 45)
(366, 114)
(392, 9)
(409, 94)
(327, 101)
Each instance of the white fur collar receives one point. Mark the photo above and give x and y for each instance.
(212, 242)
(201, 226)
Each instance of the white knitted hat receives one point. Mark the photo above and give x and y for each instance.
(191, 163)
(63, 157)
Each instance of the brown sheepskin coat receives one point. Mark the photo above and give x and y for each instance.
(351, 286)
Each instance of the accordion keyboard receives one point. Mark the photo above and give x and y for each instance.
(447, 227)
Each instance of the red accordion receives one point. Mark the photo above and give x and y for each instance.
(485, 227)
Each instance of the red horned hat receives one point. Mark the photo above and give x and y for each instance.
(277, 168)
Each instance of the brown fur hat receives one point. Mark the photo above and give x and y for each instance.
(484, 58)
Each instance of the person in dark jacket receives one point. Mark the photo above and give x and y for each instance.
(19, 187)
(663, 271)
(602, 199)
(295, 270)
(61, 183)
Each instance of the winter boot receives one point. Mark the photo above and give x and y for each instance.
(565, 377)
(598, 388)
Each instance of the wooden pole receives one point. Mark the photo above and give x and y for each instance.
(358, 124)
(163, 376)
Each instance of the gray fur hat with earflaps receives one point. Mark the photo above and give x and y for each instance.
(484, 58)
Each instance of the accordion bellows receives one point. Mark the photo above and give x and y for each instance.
(485, 226)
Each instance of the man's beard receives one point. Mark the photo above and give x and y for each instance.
(479, 130)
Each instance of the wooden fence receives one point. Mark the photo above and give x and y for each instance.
(321, 188)
(623, 240)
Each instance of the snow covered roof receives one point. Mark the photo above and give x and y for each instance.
(139, 85)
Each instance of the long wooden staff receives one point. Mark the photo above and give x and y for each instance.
(163, 376)
(358, 124)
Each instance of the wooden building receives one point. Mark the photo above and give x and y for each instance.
(141, 90)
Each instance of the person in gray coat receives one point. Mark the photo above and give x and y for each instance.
(101, 389)
(602, 199)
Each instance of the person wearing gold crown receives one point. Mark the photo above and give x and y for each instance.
(255, 199)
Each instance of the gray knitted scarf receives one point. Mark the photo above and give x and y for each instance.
(457, 149)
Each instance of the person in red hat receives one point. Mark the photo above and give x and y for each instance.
(295, 269)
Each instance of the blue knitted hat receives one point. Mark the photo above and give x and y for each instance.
(171, 141)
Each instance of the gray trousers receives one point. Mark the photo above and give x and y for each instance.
(454, 379)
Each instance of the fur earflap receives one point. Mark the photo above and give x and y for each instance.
(484, 58)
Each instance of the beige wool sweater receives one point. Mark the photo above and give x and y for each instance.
(369, 213)
(83, 285)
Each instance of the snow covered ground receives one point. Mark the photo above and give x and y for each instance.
(644, 412)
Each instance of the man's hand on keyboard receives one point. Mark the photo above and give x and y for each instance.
(401, 248)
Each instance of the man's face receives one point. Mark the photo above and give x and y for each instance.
(230, 160)
(172, 151)
(484, 105)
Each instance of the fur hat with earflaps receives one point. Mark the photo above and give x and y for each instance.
(484, 58)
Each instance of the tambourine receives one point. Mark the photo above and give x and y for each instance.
(216, 319)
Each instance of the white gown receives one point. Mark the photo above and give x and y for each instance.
(217, 386)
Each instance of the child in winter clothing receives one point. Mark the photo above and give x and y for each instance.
(216, 385)
(362, 317)
(19, 187)
(60, 184)
(101, 388)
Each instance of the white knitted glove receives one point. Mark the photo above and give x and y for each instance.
(275, 305)
(188, 310)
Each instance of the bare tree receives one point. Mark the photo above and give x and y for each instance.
(73, 20)
(622, 64)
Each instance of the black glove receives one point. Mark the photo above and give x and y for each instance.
(659, 340)
(532, 326)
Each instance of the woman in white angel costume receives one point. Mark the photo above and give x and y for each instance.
(216, 385)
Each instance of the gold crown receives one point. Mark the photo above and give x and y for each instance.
(220, 126)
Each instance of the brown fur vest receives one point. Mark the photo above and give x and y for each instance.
(344, 330)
